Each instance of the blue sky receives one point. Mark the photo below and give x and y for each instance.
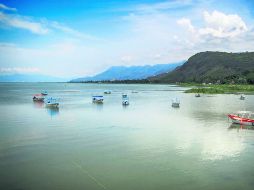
(80, 38)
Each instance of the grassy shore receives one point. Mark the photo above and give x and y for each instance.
(220, 89)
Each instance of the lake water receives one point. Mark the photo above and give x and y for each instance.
(146, 145)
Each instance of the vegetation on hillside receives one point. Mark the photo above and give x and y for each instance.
(222, 89)
(213, 67)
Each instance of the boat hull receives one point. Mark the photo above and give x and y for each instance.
(38, 99)
(54, 105)
(125, 103)
(175, 105)
(98, 101)
(241, 121)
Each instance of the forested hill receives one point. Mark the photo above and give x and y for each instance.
(213, 67)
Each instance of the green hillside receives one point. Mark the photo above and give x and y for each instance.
(213, 67)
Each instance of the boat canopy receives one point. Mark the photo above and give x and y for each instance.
(97, 96)
(38, 95)
(245, 114)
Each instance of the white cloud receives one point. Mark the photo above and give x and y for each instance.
(4, 7)
(126, 59)
(71, 31)
(21, 22)
(217, 25)
(11, 70)
(186, 23)
(221, 25)
(160, 6)
(40, 27)
(220, 32)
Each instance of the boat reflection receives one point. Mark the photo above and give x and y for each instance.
(38, 104)
(238, 126)
(98, 107)
(53, 111)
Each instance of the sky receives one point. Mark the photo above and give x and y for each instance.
(84, 37)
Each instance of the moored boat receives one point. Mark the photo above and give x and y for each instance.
(175, 103)
(98, 99)
(242, 118)
(242, 97)
(52, 102)
(38, 98)
(44, 93)
(107, 92)
(125, 99)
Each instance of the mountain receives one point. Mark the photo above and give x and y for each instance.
(212, 67)
(29, 78)
(131, 72)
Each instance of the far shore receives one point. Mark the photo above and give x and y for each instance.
(220, 88)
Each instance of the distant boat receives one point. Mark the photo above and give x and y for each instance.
(197, 95)
(242, 97)
(242, 118)
(52, 102)
(38, 98)
(44, 93)
(98, 99)
(125, 99)
(175, 103)
(107, 92)
(134, 91)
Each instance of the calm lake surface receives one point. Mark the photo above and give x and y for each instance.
(146, 145)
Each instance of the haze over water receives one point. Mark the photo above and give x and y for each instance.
(146, 145)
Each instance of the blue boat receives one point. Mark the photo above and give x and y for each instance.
(44, 93)
(52, 102)
(125, 99)
(98, 99)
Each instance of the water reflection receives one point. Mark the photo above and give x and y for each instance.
(237, 126)
(53, 111)
(217, 145)
(38, 104)
(98, 106)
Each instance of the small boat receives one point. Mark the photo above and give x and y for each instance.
(38, 98)
(242, 118)
(134, 91)
(175, 103)
(52, 102)
(125, 99)
(98, 99)
(44, 93)
(242, 97)
(107, 92)
(197, 95)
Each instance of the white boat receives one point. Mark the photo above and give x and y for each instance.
(197, 95)
(38, 98)
(242, 118)
(52, 102)
(98, 99)
(44, 93)
(175, 103)
(125, 99)
(107, 92)
(242, 97)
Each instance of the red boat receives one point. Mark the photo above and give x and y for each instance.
(242, 118)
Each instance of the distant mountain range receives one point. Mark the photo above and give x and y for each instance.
(130, 73)
(30, 78)
(212, 67)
